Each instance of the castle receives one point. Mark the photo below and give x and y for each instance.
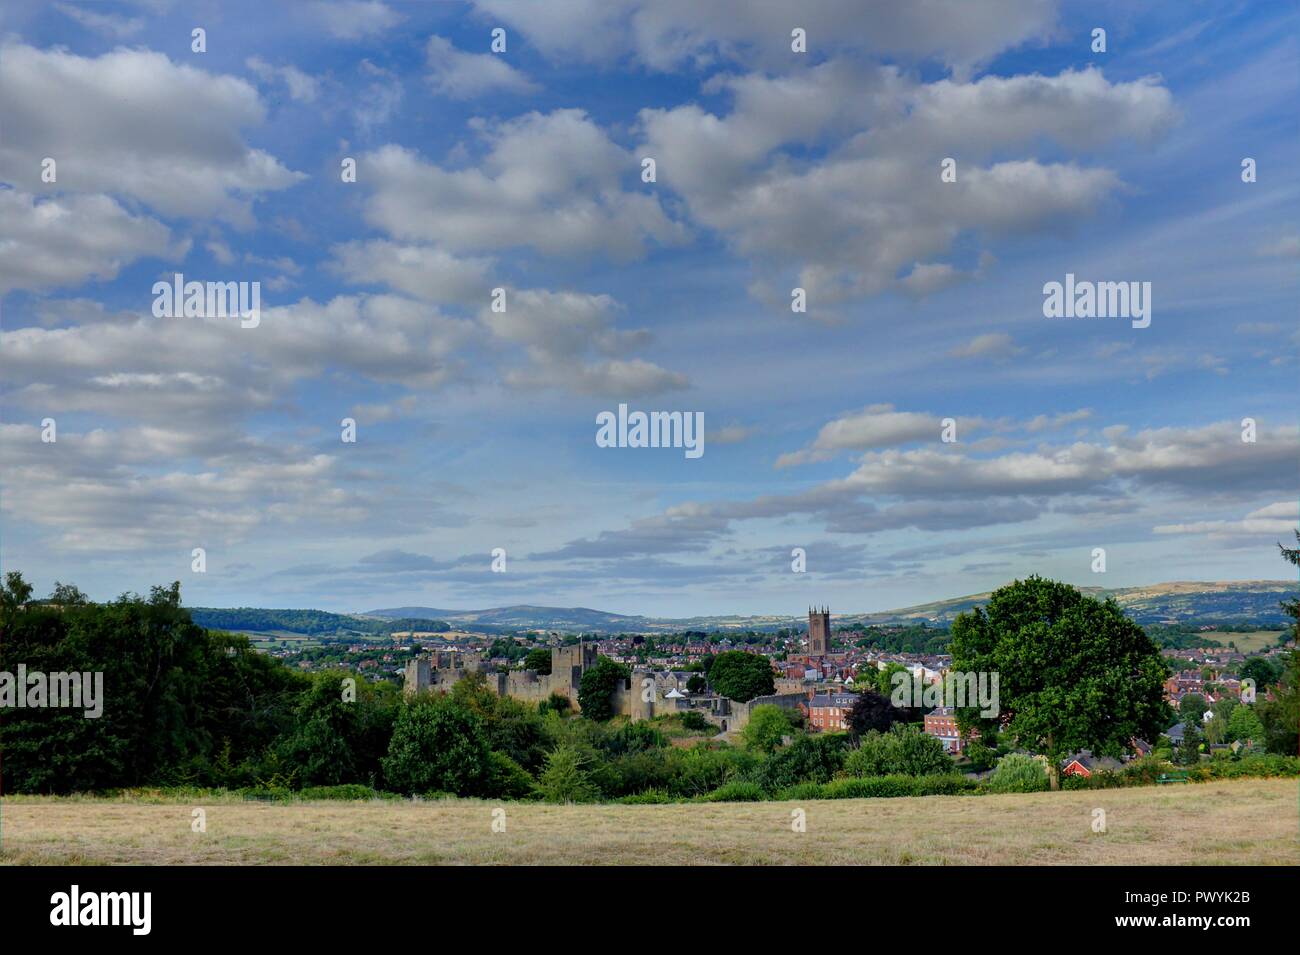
(441, 669)
(644, 695)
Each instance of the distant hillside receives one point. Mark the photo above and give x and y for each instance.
(312, 622)
(1176, 602)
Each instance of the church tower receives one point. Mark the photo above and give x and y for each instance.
(819, 632)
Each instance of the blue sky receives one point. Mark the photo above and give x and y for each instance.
(522, 170)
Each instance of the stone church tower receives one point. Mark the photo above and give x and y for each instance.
(819, 632)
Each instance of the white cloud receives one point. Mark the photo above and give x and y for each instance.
(666, 34)
(572, 345)
(109, 24)
(551, 182)
(134, 123)
(996, 345)
(425, 271)
(302, 87)
(355, 19)
(846, 226)
(48, 243)
(460, 75)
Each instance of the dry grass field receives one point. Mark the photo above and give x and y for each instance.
(1248, 822)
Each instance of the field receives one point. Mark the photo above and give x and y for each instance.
(1247, 822)
(1253, 642)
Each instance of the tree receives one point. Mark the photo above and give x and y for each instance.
(539, 659)
(1018, 773)
(767, 727)
(1192, 707)
(1073, 672)
(564, 779)
(870, 711)
(696, 684)
(741, 676)
(904, 749)
(597, 687)
(67, 595)
(807, 759)
(1281, 714)
(1263, 671)
(1244, 725)
(980, 755)
(438, 745)
(1189, 752)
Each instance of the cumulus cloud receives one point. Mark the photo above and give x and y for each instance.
(133, 123)
(667, 34)
(996, 345)
(208, 370)
(872, 214)
(302, 87)
(48, 243)
(460, 75)
(552, 182)
(424, 271)
(572, 344)
(876, 426)
(355, 19)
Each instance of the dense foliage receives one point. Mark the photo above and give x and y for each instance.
(311, 622)
(1074, 672)
(741, 676)
(191, 707)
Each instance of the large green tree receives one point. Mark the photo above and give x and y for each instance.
(741, 676)
(180, 704)
(596, 689)
(438, 745)
(767, 728)
(1073, 672)
(1281, 713)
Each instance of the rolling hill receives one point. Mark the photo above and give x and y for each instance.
(1175, 602)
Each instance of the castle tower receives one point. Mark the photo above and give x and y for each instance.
(819, 632)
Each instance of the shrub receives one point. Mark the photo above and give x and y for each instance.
(437, 744)
(904, 751)
(1018, 773)
(701, 769)
(648, 798)
(506, 779)
(694, 720)
(802, 791)
(349, 791)
(766, 728)
(564, 779)
(808, 759)
(737, 791)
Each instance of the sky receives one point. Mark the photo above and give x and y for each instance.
(128, 439)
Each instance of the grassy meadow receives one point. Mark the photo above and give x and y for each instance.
(1239, 822)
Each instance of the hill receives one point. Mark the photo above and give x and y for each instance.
(1176, 602)
(311, 622)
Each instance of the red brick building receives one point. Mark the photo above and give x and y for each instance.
(941, 723)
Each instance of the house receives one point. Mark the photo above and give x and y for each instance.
(1175, 734)
(941, 723)
(1084, 764)
(829, 711)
